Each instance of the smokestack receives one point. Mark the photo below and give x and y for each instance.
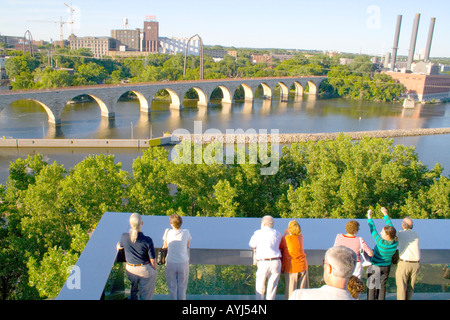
(396, 37)
(430, 37)
(412, 45)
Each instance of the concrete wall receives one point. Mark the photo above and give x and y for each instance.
(85, 143)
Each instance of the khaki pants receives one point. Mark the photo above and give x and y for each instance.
(268, 271)
(295, 281)
(405, 278)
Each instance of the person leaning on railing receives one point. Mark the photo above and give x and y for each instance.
(177, 241)
(293, 259)
(409, 260)
(266, 243)
(140, 257)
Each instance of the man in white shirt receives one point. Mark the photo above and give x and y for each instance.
(409, 263)
(266, 243)
(338, 267)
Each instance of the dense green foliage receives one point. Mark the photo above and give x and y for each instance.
(357, 80)
(47, 212)
(363, 86)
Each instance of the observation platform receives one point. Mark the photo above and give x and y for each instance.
(224, 241)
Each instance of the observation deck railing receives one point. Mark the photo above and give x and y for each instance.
(224, 241)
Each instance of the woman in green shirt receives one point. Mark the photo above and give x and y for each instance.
(385, 246)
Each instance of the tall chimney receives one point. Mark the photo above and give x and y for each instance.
(412, 45)
(430, 37)
(396, 37)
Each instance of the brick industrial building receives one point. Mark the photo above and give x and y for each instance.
(424, 87)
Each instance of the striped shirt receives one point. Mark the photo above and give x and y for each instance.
(353, 243)
(384, 250)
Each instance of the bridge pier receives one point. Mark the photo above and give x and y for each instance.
(298, 89)
(143, 102)
(53, 108)
(109, 115)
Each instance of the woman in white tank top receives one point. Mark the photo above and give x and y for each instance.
(177, 242)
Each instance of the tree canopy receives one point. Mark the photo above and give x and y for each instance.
(358, 80)
(48, 211)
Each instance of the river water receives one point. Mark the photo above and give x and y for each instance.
(308, 114)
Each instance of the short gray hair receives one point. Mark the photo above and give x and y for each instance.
(343, 261)
(407, 223)
(267, 221)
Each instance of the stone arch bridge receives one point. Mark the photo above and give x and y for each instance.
(107, 96)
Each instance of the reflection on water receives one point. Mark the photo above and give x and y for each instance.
(27, 119)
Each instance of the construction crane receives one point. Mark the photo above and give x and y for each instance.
(61, 23)
(71, 16)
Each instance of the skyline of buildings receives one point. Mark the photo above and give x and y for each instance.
(357, 27)
(127, 42)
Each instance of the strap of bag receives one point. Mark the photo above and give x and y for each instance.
(165, 237)
(361, 250)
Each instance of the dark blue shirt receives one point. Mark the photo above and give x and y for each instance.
(139, 252)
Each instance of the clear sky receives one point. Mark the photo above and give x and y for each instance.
(346, 26)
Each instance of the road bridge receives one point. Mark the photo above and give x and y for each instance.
(107, 96)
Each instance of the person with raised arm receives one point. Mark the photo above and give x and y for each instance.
(385, 247)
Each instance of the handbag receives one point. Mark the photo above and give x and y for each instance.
(365, 259)
(161, 258)
(162, 253)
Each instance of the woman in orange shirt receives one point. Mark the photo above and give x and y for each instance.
(293, 261)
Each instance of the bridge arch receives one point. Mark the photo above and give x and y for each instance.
(248, 92)
(313, 88)
(174, 97)
(226, 93)
(104, 110)
(284, 89)
(52, 118)
(298, 88)
(143, 102)
(202, 98)
(267, 91)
